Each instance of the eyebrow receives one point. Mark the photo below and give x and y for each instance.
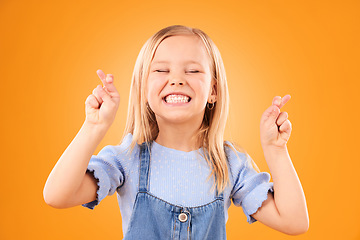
(190, 61)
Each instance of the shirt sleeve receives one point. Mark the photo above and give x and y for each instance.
(107, 170)
(250, 187)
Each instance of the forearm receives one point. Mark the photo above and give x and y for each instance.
(68, 174)
(289, 197)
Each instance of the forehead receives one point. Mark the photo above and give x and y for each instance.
(181, 48)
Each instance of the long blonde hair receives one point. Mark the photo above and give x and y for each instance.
(141, 121)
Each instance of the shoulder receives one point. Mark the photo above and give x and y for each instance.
(234, 153)
(122, 150)
(238, 159)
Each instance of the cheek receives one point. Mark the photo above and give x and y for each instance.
(153, 88)
(203, 87)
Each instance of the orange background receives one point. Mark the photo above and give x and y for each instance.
(49, 54)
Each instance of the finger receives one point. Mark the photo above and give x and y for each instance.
(285, 129)
(270, 115)
(283, 116)
(284, 100)
(104, 78)
(109, 78)
(101, 75)
(276, 101)
(102, 94)
(96, 93)
(280, 102)
(109, 85)
(108, 82)
(92, 102)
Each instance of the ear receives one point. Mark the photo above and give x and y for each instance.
(213, 92)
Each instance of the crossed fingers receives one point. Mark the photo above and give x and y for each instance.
(280, 102)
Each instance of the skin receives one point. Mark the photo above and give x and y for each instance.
(286, 210)
(69, 185)
(172, 72)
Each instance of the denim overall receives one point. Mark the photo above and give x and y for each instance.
(156, 219)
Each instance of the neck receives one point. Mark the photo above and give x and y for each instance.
(178, 136)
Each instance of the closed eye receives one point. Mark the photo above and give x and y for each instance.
(191, 71)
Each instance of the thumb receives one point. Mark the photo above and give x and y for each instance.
(103, 94)
(270, 115)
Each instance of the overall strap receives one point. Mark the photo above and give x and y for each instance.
(144, 167)
(219, 196)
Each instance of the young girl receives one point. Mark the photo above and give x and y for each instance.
(174, 175)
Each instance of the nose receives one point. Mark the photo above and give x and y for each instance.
(177, 77)
(176, 80)
(173, 83)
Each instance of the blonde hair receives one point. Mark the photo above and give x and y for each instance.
(141, 121)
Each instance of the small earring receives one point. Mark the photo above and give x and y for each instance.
(210, 105)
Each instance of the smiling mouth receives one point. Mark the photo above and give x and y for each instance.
(176, 98)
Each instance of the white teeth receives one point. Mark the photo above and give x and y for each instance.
(173, 98)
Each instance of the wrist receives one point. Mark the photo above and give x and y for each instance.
(275, 151)
(274, 148)
(95, 128)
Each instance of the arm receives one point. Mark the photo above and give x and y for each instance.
(286, 210)
(68, 183)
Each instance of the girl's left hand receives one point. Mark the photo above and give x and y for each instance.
(275, 127)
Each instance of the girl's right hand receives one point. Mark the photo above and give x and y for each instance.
(101, 106)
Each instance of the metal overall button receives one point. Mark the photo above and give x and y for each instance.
(183, 217)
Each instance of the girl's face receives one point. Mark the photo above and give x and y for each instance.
(180, 83)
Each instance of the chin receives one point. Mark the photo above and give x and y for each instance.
(178, 119)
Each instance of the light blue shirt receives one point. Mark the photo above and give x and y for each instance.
(180, 178)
